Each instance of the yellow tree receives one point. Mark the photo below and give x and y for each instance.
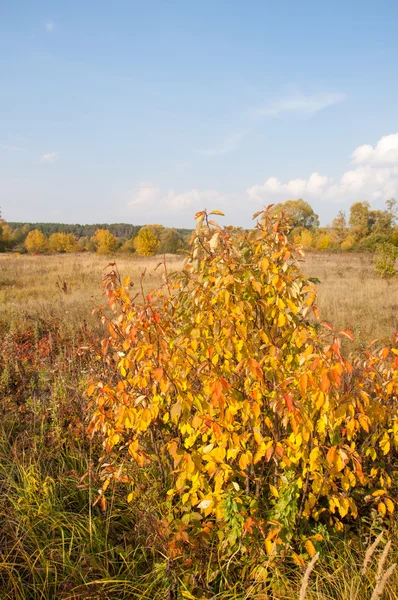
(324, 241)
(306, 239)
(36, 241)
(105, 242)
(146, 242)
(63, 242)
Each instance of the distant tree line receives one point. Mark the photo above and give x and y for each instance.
(364, 230)
(37, 238)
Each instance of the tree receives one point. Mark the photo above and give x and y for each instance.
(392, 209)
(298, 213)
(6, 236)
(146, 243)
(305, 239)
(36, 241)
(359, 220)
(170, 242)
(380, 221)
(128, 247)
(104, 241)
(340, 226)
(324, 241)
(63, 242)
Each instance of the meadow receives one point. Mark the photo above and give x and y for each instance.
(67, 287)
(53, 542)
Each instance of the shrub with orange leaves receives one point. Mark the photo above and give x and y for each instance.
(231, 391)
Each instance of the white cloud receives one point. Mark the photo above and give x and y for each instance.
(374, 176)
(299, 103)
(150, 198)
(50, 157)
(295, 188)
(384, 153)
(50, 26)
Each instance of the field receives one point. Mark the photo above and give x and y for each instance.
(53, 542)
(65, 289)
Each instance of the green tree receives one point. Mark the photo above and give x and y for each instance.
(298, 213)
(170, 242)
(146, 243)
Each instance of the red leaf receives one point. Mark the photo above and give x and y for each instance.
(328, 325)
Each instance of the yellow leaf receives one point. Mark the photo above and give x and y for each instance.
(381, 507)
(385, 444)
(379, 493)
(243, 462)
(390, 505)
(281, 320)
(309, 546)
(269, 546)
(256, 285)
(274, 491)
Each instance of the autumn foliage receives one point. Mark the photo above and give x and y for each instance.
(233, 394)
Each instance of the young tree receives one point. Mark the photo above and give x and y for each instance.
(36, 241)
(146, 243)
(258, 424)
(105, 242)
(340, 226)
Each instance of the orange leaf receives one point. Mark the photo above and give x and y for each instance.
(325, 383)
(347, 334)
(289, 402)
(157, 374)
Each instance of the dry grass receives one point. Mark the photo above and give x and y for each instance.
(351, 294)
(64, 288)
(53, 542)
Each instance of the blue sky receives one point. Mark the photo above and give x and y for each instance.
(146, 112)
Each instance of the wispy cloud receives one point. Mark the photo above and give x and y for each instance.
(299, 103)
(12, 148)
(50, 157)
(227, 145)
(150, 196)
(50, 26)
